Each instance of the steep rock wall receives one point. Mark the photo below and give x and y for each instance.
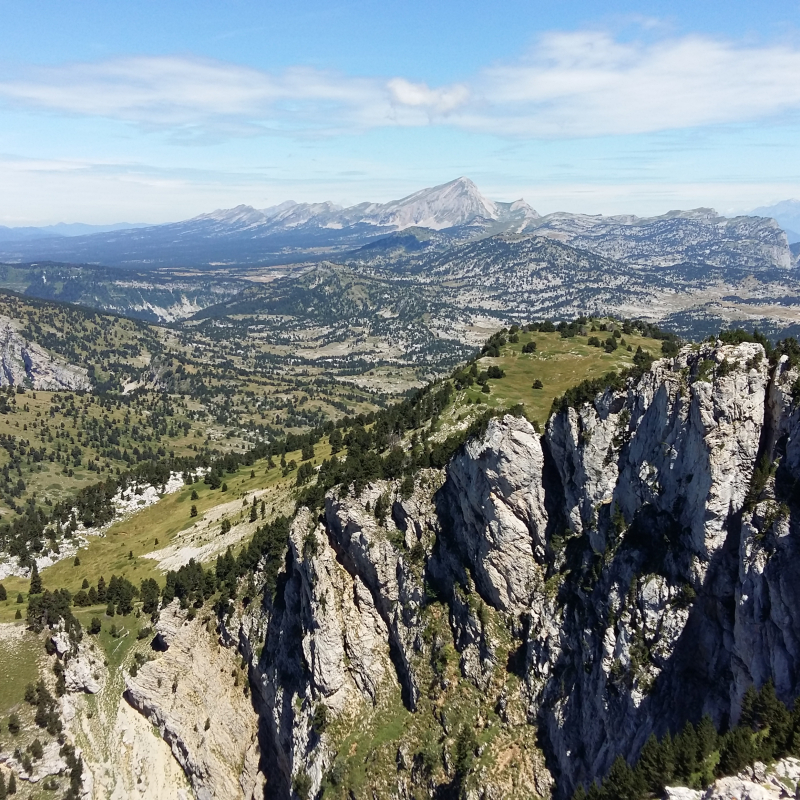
(635, 566)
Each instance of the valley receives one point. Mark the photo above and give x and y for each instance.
(441, 506)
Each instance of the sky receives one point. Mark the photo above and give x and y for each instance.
(158, 111)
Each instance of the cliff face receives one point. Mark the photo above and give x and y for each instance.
(25, 363)
(196, 695)
(633, 567)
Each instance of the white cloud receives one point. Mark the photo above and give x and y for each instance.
(574, 84)
(588, 84)
(420, 95)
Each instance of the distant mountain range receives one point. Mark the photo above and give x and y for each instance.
(441, 217)
(63, 229)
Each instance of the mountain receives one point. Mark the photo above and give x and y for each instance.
(450, 205)
(285, 233)
(456, 212)
(787, 214)
(155, 296)
(516, 619)
(699, 236)
(521, 277)
(62, 229)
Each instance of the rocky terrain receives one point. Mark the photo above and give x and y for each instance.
(24, 363)
(195, 693)
(632, 566)
(697, 236)
(505, 626)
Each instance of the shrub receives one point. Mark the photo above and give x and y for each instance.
(301, 784)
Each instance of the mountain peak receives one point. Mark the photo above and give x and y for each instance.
(448, 205)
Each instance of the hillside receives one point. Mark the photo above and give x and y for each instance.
(153, 529)
(516, 277)
(154, 297)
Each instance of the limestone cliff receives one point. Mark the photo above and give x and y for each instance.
(195, 694)
(635, 566)
(24, 363)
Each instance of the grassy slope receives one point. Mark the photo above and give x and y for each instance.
(558, 363)
(164, 521)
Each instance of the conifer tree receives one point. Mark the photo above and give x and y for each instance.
(685, 749)
(36, 581)
(706, 738)
(655, 764)
(580, 793)
(772, 716)
(747, 715)
(622, 783)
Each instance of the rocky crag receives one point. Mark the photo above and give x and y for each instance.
(545, 602)
(196, 695)
(24, 363)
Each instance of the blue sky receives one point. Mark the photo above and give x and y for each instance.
(156, 111)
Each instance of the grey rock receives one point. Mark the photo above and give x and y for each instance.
(24, 363)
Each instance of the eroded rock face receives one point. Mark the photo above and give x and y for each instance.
(635, 566)
(200, 708)
(24, 363)
(495, 497)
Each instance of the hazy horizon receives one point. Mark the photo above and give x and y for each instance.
(108, 116)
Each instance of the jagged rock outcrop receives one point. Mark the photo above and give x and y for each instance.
(495, 493)
(24, 363)
(635, 566)
(197, 696)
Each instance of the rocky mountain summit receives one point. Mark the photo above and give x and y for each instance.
(565, 595)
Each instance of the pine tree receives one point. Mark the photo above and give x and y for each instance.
(655, 764)
(736, 751)
(36, 581)
(12, 784)
(621, 782)
(3, 792)
(594, 793)
(747, 715)
(706, 738)
(771, 714)
(101, 590)
(3, 596)
(685, 749)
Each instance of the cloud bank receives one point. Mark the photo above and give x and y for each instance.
(572, 85)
